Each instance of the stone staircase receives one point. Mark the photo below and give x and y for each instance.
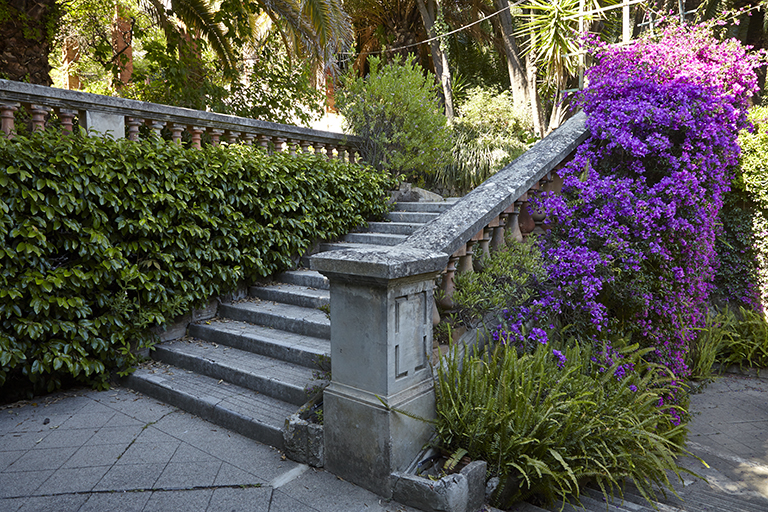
(248, 369)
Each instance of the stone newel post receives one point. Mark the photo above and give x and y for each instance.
(381, 341)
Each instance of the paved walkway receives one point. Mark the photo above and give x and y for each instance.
(117, 450)
(84, 450)
(729, 431)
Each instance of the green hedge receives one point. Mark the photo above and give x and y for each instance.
(100, 240)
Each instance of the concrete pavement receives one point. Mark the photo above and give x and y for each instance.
(83, 450)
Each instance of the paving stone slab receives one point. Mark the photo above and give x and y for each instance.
(189, 501)
(67, 503)
(73, 480)
(252, 499)
(23, 483)
(117, 501)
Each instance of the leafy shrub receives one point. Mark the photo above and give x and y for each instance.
(737, 337)
(101, 239)
(276, 90)
(509, 278)
(743, 247)
(487, 135)
(552, 419)
(396, 110)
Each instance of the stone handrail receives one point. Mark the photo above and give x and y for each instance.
(382, 304)
(122, 117)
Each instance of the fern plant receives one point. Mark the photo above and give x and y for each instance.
(551, 421)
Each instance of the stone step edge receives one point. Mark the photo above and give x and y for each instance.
(266, 344)
(252, 428)
(292, 392)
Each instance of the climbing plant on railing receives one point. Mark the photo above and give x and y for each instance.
(101, 240)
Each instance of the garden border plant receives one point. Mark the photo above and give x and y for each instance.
(102, 239)
(628, 266)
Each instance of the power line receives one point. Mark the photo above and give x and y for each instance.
(515, 4)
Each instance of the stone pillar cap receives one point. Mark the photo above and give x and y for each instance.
(385, 263)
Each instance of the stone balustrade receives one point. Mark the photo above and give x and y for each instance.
(381, 396)
(131, 119)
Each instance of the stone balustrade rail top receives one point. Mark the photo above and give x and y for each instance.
(453, 228)
(20, 92)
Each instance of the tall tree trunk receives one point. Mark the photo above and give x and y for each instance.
(122, 39)
(517, 79)
(439, 58)
(536, 110)
(24, 41)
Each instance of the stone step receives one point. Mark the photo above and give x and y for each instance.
(292, 294)
(423, 206)
(304, 277)
(337, 246)
(272, 377)
(633, 505)
(702, 499)
(396, 228)
(411, 217)
(294, 348)
(285, 317)
(247, 412)
(522, 506)
(374, 238)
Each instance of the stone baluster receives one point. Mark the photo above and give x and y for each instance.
(7, 120)
(264, 142)
(497, 239)
(465, 262)
(39, 113)
(196, 133)
(305, 146)
(176, 130)
(216, 136)
(293, 144)
(352, 155)
(342, 152)
(447, 285)
(157, 126)
(232, 137)
(248, 138)
(329, 151)
(133, 128)
(513, 218)
(318, 147)
(525, 219)
(485, 241)
(279, 142)
(66, 118)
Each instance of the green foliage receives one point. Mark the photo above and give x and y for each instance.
(172, 74)
(278, 90)
(395, 109)
(506, 280)
(743, 248)
(731, 337)
(739, 337)
(703, 352)
(549, 428)
(100, 240)
(487, 135)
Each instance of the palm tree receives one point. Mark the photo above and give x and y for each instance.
(25, 41)
(316, 27)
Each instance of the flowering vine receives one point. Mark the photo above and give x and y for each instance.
(630, 248)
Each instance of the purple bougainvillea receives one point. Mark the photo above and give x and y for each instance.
(630, 248)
